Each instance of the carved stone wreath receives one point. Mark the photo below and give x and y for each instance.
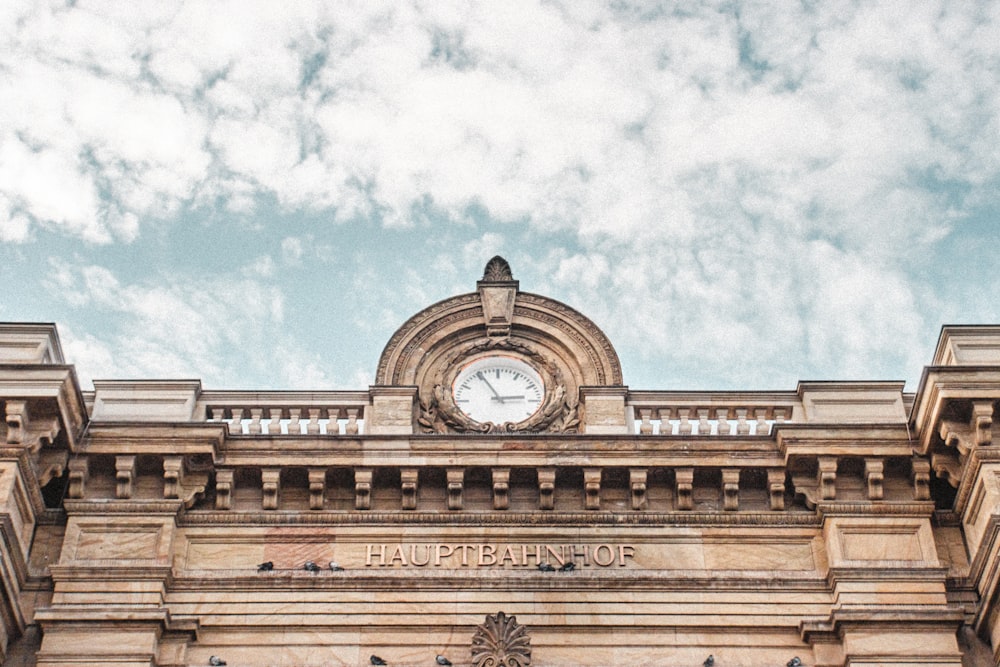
(501, 642)
(557, 414)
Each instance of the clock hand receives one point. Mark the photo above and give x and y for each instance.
(496, 394)
(503, 398)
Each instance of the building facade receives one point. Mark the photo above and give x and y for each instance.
(499, 497)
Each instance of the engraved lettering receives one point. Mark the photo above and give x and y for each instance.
(413, 555)
(625, 551)
(370, 551)
(487, 555)
(599, 557)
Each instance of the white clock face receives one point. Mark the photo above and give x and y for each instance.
(498, 389)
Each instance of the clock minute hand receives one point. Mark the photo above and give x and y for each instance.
(503, 398)
(496, 394)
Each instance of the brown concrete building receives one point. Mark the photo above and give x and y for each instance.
(499, 497)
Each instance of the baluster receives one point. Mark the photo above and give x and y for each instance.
(646, 427)
(352, 421)
(274, 426)
(294, 422)
(722, 415)
(666, 428)
(684, 428)
(236, 425)
(704, 428)
(256, 414)
(333, 421)
(742, 425)
(760, 428)
(779, 415)
(312, 428)
(218, 414)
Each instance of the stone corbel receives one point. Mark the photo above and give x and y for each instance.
(731, 489)
(408, 482)
(874, 475)
(177, 483)
(546, 488)
(456, 483)
(501, 488)
(51, 464)
(124, 476)
(17, 420)
(637, 482)
(223, 489)
(317, 488)
(947, 466)
(362, 488)
(776, 488)
(79, 471)
(827, 477)
(921, 479)
(270, 480)
(982, 422)
(685, 487)
(592, 488)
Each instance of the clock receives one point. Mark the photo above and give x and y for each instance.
(498, 389)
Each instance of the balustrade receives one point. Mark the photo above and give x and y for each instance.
(711, 414)
(287, 413)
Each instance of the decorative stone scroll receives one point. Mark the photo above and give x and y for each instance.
(501, 642)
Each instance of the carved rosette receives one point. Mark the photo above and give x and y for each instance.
(501, 642)
(558, 413)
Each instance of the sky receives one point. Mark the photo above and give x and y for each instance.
(741, 195)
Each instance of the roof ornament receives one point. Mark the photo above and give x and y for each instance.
(497, 270)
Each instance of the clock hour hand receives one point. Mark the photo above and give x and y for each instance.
(496, 394)
(504, 398)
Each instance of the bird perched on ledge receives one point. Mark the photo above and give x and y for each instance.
(311, 567)
(545, 567)
(375, 660)
(216, 661)
(334, 567)
(441, 660)
(266, 566)
(794, 662)
(567, 567)
(709, 661)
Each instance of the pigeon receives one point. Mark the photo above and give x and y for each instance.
(709, 661)
(794, 662)
(567, 567)
(311, 567)
(216, 661)
(266, 566)
(375, 660)
(441, 660)
(334, 567)
(545, 567)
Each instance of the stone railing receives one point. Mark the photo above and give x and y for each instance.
(712, 413)
(286, 412)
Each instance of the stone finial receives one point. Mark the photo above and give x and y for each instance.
(497, 270)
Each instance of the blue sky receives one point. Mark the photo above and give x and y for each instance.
(741, 194)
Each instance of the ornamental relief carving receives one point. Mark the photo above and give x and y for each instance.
(558, 413)
(501, 642)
